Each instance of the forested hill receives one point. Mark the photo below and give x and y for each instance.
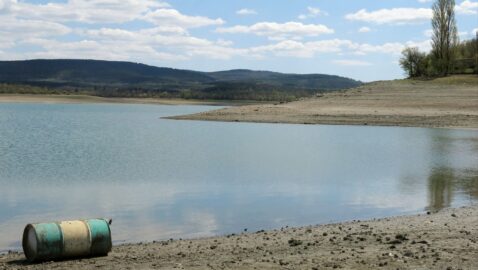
(126, 79)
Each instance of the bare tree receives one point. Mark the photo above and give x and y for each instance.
(412, 62)
(445, 35)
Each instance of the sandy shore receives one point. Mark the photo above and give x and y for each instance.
(82, 99)
(447, 102)
(444, 240)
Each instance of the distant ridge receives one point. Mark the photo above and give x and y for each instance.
(127, 79)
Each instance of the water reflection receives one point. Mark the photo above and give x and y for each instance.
(444, 184)
(441, 188)
(453, 172)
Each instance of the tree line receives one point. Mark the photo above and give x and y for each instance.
(448, 54)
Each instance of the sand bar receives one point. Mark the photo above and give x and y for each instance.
(448, 103)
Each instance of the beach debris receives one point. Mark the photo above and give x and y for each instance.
(66, 239)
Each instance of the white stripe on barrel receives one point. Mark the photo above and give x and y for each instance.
(76, 238)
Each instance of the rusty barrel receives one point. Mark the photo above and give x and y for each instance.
(65, 239)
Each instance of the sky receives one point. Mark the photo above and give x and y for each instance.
(357, 39)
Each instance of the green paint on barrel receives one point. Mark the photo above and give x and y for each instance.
(100, 236)
(49, 241)
(43, 241)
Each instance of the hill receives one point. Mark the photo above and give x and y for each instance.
(306, 81)
(126, 79)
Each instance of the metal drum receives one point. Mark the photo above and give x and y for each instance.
(50, 241)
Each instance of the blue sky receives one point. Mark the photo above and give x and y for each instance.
(358, 39)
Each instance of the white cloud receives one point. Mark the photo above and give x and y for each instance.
(159, 38)
(467, 7)
(354, 63)
(424, 1)
(105, 11)
(279, 30)
(316, 11)
(312, 12)
(172, 17)
(424, 46)
(24, 23)
(288, 48)
(225, 43)
(162, 42)
(15, 29)
(5, 5)
(293, 48)
(387, 48)
(151, 36)
(97, 49)
(246, 11)
(157, 44)
(111, 33)
(219, 52)
(85, 11)
(474, 32)
(392, 16)
(6, 42)
(364, 29)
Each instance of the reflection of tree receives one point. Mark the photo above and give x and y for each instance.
(441, 187)
(451, 175)
(470, 185)
(444, 183)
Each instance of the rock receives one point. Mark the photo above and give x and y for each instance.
(395, 242)
(401, 237)
(294, 242)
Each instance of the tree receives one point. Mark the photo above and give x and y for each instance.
(445, 36)
(413, 62)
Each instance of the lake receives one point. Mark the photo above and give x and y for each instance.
(161, 179)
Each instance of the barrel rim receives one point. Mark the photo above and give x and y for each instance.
(30, 254)
(110, 246)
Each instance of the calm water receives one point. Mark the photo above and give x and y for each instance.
(159, 178)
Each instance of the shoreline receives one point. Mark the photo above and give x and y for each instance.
(384, 125)
(86, 99)
(447, 239)
(402, 103)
